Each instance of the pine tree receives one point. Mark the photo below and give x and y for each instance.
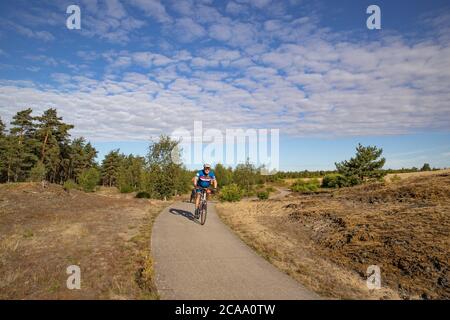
(110, 168)
(2, 129)
(81, 156)
(2, 151)
(21, 146)
(53, 136)
(364, 166)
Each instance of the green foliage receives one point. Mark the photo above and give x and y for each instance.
(110, 168)
(246, 175)
(224, 175)
(143, 195)
(43, 139)
(126, 189)
(304, 186)
(334, 180)
(366, 165)
(165, 177)
(426, 167)
(89, 179)
(231, 193)
(270, 189)
(70, 185)
(38, 172)
(263, 195)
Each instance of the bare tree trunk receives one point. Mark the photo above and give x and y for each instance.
(43, 147)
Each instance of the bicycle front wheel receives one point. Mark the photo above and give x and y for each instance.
(203, 212)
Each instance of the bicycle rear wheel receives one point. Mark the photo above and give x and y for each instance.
(203, 212)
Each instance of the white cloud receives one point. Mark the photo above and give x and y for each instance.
(154, 9)
(39, 35)
(188, 30)
(277, 72)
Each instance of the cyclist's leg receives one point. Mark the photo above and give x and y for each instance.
(197, 198)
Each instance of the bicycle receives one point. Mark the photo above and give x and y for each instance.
(203, 206)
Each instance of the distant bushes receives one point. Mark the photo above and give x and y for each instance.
(305, 186)
(38, 172)
(231, 193)
(126, 188)
(143, 195)
(89, 179)
(334, 180)
(70, 185)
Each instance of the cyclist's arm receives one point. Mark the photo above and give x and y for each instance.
(195, 179)
(214, 181)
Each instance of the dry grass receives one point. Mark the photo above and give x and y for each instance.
(399, 176)
(290, 181)
(43, 231)
(326, 241)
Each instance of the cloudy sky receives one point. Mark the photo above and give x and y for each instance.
(312, 69)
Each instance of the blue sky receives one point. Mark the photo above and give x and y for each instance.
(311, 69)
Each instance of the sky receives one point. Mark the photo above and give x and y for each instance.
(311, 69)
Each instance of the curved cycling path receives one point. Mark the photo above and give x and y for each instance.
(195, 262)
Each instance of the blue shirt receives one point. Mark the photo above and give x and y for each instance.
(203, 179)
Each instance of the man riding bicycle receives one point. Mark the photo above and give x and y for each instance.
(203, 180)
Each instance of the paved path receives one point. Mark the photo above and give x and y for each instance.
(210, 262)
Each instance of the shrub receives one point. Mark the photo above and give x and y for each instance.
(353, 180)
(334, 180)
(304, 186)
(263, 195)
(88, 179)
(69, 185)
(126, 188)
(270, 189)
(37, 173)
(143, 195)
(231, 193)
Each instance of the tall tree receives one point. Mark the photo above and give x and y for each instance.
(2, 129)
(166, 177)
(21, 145)
(81, 156)
(2, 151)
(110, 168)
(53, 135)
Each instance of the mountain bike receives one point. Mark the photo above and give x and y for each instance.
(203, 205)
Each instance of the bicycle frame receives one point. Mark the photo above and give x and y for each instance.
(203, 205)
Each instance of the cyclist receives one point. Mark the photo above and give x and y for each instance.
(203, 179)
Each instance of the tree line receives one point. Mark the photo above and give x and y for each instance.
(37, 148)
(40, 148)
